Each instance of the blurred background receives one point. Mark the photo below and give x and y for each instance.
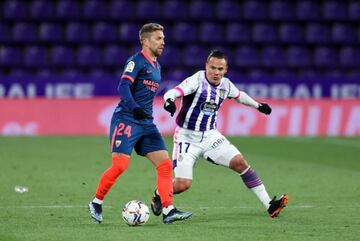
(63, 58)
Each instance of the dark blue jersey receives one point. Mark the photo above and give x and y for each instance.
(144, 75)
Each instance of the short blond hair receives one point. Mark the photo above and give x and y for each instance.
(147, 29)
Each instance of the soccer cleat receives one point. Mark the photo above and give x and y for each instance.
(96, 211)
(276, 205)
(156, 204)
(175, 215)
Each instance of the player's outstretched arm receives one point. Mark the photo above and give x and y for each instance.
(247, 100)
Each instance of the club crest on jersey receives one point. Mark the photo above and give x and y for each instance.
(222, 93)
(130, 66)
(209, 108)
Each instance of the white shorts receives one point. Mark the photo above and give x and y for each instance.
(190, 145)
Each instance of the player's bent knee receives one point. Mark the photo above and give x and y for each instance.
(120, 162)
(238, 163)
(182, 184)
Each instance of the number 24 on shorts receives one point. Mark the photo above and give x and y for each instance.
(123, 129)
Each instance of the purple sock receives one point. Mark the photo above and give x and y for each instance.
(251, 179)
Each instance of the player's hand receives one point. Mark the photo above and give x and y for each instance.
(139, 114)
(170, 106)
(264, 108)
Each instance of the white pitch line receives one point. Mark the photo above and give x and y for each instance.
(216, 207)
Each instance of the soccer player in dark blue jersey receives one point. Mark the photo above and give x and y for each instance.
(132, 125)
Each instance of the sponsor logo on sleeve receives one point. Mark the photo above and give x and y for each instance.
(130, 66)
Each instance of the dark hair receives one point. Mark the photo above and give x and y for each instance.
(147, 29)
(217, 54)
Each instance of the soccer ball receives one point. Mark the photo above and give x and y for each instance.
(135, 213)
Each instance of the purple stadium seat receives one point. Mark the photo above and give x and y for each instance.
(283, 73)
(51, 32)
(184, 32)
(350, 57)
(148, 9)
(175, 74)
(258, 74)
(334, 73)
(104, 32)
(14, 9)
(325, 57)
(238, 33)
(62, 56)
(94, 9)
(98, 73)
(24, 32)
(10, 56)
(255, 10)
(35, 56)
(298, 57)
(19, 73)
(264, 33)
(170, 57)
(273, 56)
(307, 10)
(247, 56)
(115, 55)
(228, 10)
(174, 9)
(129, 32)
(77, 32)
(88, 56)
(234, 74)
(281, 10)
(201, 9)
(291, 33)
(121, 9)
(343, 33)
(194, 56)
(45, 73)
(68, 9)
(317, 33)
(5, 33)
(73, 73)
(354, 10)
(334, 10)
(309, 73)
(211, 33)
(41, 9)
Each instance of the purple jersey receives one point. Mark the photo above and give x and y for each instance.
(201, 101)
(145, 75)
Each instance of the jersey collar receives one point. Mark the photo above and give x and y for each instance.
(148, 58)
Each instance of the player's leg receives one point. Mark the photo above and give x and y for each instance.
(222, 152)
(153, 147)
(123, 138)
(119, 164)
(165, 187)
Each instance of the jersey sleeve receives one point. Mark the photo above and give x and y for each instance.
(188, 86)
(234, 92)
(131, 70)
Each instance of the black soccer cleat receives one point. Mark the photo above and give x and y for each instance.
(96, 211)
(156, 206)
(276, 205)
(176, 215)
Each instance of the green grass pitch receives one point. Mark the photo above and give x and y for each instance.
(321, 176)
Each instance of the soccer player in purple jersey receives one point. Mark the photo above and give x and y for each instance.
(202, 94)
(132, 125)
